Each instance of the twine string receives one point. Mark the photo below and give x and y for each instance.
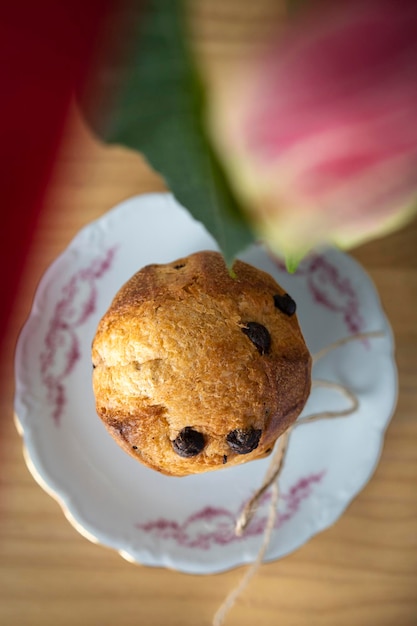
(341, 342)
(231, 598)
(313, 417)
(275, 469)
(271, 475)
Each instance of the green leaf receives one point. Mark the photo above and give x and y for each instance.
(158, 109)
(291, 263)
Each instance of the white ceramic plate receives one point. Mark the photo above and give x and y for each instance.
(188, 523)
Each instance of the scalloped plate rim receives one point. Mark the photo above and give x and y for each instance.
(34, 463)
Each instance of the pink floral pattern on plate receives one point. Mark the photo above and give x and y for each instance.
(61, 346)
(330, 289)
(212, 525)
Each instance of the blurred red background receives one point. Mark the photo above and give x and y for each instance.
(46, 50)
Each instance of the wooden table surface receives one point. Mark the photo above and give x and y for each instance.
(361, 571)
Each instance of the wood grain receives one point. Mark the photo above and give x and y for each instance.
(362, 571)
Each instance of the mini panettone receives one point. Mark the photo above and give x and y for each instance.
(197, 368)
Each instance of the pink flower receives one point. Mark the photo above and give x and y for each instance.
(319, 134)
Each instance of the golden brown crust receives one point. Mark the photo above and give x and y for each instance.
(173, 352)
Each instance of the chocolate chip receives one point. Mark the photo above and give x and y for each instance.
(224, 459)
(285, 304)
(179, 266)
(189, 442)
(134, 447)
(244, 441)
(259, 336)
